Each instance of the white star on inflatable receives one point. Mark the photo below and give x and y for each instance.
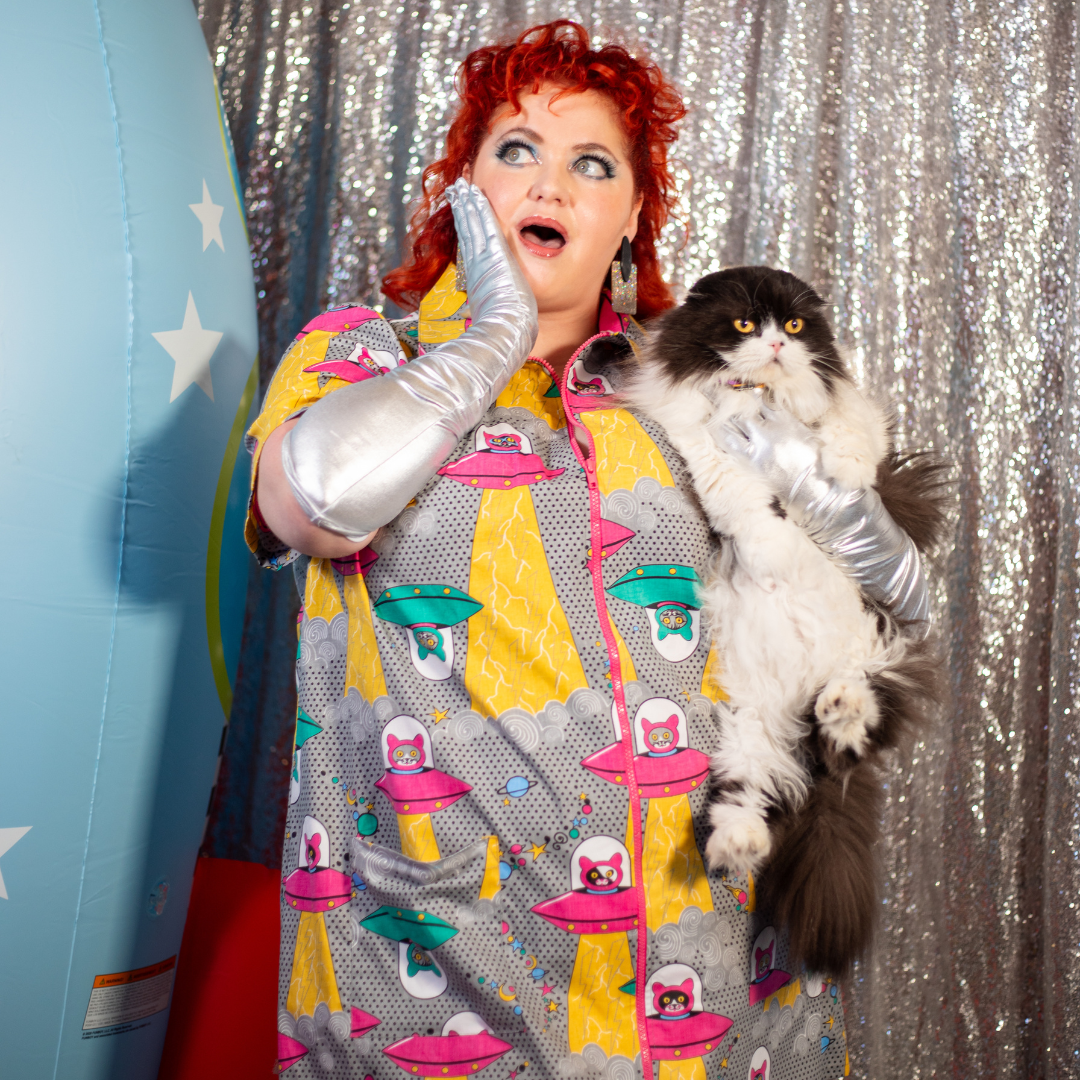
(209, 215)
(191, 347)
(8, 839)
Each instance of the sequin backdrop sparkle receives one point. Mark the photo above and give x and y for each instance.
(918, 162)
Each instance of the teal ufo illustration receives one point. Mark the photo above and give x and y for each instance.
(417, 934)
(670, 593)
(426, 611)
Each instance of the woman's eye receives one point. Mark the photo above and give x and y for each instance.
(744, 326)
(516, 154)
(793, 326)
(594, 168)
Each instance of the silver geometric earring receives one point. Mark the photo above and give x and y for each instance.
(624, 281)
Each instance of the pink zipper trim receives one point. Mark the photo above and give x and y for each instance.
(589, 465)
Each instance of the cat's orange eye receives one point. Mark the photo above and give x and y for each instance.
(793, 326)
(744, 326)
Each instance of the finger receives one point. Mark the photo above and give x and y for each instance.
(481, 219)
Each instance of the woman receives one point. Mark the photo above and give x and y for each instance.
(505, 696)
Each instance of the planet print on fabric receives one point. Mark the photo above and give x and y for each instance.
(765, 977)
(600, 900)
(664, 764)
(466, 1046)
(503, 458)
(669, 593)
(517, 786)
(428, 612)
(677, 1026)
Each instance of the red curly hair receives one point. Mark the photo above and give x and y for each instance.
(556, 52)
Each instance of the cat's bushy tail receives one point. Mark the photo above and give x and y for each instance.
(821, 879)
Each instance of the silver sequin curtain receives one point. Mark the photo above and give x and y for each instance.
(918, 162)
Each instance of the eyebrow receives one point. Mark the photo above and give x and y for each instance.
(578, 148)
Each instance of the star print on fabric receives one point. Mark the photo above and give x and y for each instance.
(506, 802)
(547, 990)
(438, 715)
(538, 850)
(191, 348)
(552, 1006)
(209, 215)
(8, 839)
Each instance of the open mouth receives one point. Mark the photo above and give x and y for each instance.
(542, 236)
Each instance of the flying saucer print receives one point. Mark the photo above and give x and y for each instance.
(313, 885)
(583, 384)
(503, 459)
(669, 593)
(678, 1028)
(760, 1065)
(664, 763)
(411, 782)
(765, 977)
(428, 612)
(465, 1047)
(601, 899)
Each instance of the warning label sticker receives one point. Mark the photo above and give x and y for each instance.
(127, 996)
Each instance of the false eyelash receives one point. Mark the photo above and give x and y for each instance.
(509, 143)
(607, 163)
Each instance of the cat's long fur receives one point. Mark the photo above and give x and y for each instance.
(818, 679)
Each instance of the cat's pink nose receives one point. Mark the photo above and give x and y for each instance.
(776, 345)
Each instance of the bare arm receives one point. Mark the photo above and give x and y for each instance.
(282, 513)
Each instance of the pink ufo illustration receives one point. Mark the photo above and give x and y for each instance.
(465, 1046)
(503, 458)
(612, 537)
(314, 886)
(678, 1028)
(360, 562)
(601, 899)
(347, 317)
(583, 384)
(765, 978)
(361, 1023)
(664, 762)
(289, 1051)
(410, 781)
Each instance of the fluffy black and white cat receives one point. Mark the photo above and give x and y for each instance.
(819, 679)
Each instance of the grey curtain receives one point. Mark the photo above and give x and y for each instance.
(918, 163)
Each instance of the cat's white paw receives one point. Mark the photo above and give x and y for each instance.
(848, 712)
(851, 467)
(740, 838)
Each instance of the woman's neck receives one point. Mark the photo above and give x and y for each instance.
(562, 333)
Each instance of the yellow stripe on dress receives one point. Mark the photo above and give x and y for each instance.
(521, 652)
(624, 451)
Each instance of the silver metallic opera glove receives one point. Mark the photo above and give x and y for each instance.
(360, 454)
(853, 527)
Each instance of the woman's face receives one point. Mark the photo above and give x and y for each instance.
(558, 176)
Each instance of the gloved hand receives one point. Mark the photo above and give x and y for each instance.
(358, 455)
(853, 527)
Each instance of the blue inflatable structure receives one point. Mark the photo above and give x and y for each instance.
(127, 349)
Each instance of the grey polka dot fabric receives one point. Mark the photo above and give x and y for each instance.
(506, 709)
